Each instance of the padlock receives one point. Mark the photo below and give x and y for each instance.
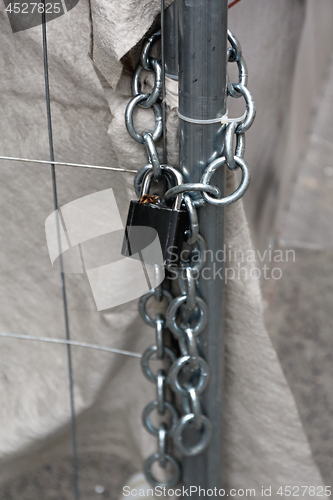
(170, 224)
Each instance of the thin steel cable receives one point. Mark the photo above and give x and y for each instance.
(75, 343)
(62, 163)
(62, 276)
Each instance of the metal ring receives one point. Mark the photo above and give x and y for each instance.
(136, 85)
(186, 404)
(218, 143)
(147, 422)
(235, 44)
(158, 293)
(192, 233)
(138, 178)
(183, 283)
(236, 195)
(242, 79)
(143, 302)
(205, 438)
(160, 388)
(191, 296)
(130, 123)
(196, 408)
(200, 246)
(177, 367)
(187, 188)
(161, 445)
(183, 347)
(159, 336)
(146, 49)
(152, 156)
(192, 350)
(250, 108)
(146, 358)
(169, 171)
(181, 280)
(228, 145)
(235, 55)
(168, 484)
(231, 55)
(240, 145)
(172, 314)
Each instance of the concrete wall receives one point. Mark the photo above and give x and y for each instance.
(287, 49)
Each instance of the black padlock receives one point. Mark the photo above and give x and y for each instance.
(170, 224)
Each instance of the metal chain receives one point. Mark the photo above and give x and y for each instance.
(164, 408)
(187, 314)
(148, 138)
(234, 128)
(186, 317)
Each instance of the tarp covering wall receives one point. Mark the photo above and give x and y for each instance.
(265, 442)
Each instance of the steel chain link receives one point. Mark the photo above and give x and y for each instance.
(235, 128)
(187, 314)
(163, 407)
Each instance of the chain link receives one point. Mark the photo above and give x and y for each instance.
(233, 159)
(186, 317)
(136, 85)
(159, 351)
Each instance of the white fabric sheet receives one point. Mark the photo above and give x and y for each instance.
(264, 440)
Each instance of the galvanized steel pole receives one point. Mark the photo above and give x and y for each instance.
(170, 31)
(202, 96)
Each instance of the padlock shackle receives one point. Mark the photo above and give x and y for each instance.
(167, 169)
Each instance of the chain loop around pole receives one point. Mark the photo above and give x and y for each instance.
(187, 374)
(238, 193)
(191, 187)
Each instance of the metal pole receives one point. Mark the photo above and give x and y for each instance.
(202, 96)
(171, 41)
